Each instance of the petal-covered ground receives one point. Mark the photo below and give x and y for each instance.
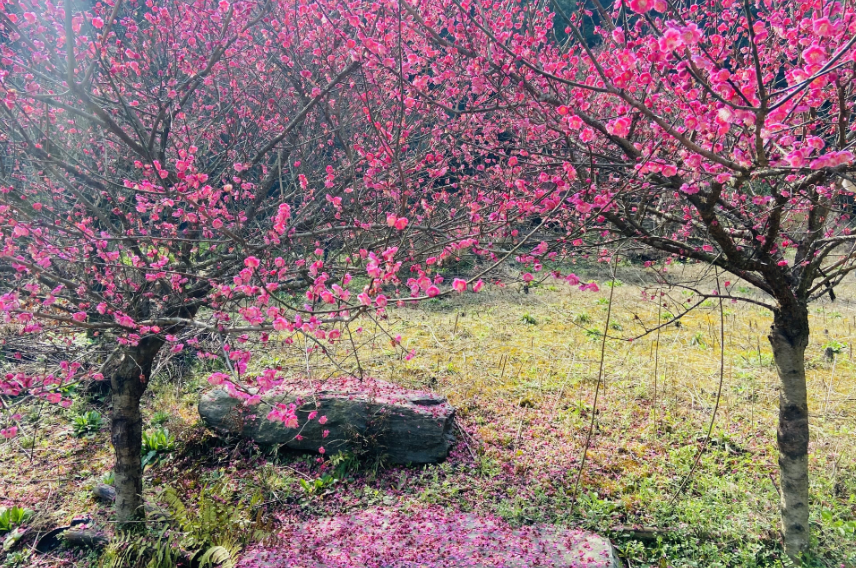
(428, 537)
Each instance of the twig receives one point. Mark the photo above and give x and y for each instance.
(464, 439)
(775, 486)
(718, 397)
(597, 386)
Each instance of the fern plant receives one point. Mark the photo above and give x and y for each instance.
(131, 550)
(207, 531)
(214, 527)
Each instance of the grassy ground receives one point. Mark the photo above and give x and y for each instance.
(522, 370)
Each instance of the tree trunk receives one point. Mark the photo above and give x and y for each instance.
(789, 338)
(129, 377)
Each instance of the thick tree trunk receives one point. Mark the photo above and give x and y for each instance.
(789, 338)
(129, 375)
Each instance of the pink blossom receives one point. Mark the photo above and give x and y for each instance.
(690, 34)
(321, 450)
(251, 262)
(97, 23)
(672, 39)
(79, 316)
(380, 301)
(572, 279)
(619, 127)
(822, 27)
(814, 54)
(478, 286)
(322, 420)
(217, 378)
(641, 6)
(459, 284)
(9, 432)
(432, 291)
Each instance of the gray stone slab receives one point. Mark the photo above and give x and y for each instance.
(409, 426)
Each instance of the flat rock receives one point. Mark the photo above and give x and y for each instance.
(406, 426)
(429, 538)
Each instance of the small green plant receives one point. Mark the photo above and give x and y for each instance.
(593, 334)
(602, 301)
(843, 529)
(833, 346)
(158, 440)
(582, 317)
(529, 319)
(319, 485)
(344, 464)
(698, 339)
(616, 326)
(18, 558)
(156, 443)
(87, 423)
(108, 478)
(160, 418)
(12, 517)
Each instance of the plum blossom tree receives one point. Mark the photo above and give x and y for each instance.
(217, 177)
(718, 131)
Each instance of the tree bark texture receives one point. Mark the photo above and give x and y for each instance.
(129, 377)
(789, 338)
